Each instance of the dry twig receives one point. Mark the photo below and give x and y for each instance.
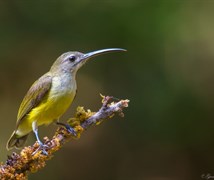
(29, 160)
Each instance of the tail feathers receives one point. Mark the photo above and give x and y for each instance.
(15, 141)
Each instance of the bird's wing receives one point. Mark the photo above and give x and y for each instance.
(35, 94)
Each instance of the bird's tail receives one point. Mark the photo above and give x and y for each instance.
(16, 141)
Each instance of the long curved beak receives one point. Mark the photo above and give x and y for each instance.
(102, 51)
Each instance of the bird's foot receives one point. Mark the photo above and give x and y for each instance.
(68, 127)
(42, 147)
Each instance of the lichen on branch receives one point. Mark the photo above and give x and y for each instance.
(30, 160)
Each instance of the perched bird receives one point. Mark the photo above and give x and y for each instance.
(50, 96)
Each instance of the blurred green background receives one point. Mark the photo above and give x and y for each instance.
(167, 73)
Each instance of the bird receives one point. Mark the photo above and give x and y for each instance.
(50, 96)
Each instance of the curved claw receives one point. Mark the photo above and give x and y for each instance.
(41, 147)
(68, 127)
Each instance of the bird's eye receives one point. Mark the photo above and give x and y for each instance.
(72, 58)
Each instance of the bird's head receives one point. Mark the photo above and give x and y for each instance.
(72, 61)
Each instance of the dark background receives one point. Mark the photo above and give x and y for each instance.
(167, 73)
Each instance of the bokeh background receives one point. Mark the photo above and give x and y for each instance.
(168, 74)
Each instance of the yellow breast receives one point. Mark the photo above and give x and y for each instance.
(52, 109)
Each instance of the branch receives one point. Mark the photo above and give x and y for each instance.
(30, 160)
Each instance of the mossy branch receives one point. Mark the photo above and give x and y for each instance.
(30, 160)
